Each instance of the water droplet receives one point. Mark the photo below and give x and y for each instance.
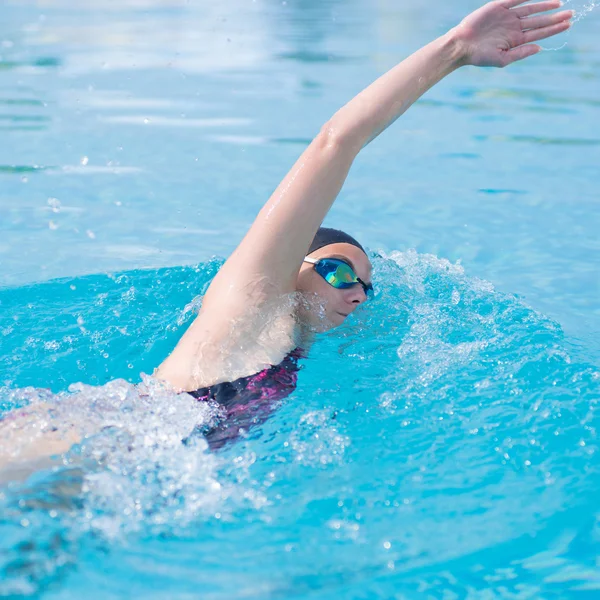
(84, 160)
(146, 121)
(387, 545)
(54, 204)
(52, 225)
(90, 234)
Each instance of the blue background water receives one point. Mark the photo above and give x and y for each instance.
(442, 443)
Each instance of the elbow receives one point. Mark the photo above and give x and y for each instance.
(334, 138)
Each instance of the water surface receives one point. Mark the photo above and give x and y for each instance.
(442, 444)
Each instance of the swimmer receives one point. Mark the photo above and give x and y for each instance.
(286, 254)
(289, 277)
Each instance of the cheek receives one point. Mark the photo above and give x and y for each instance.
(303, 283)
(318, 292)
(312, 283)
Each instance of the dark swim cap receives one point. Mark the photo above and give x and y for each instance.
(326, 236)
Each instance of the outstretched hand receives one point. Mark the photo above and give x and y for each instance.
(501, 32)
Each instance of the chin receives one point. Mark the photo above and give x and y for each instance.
(324, 323)
(334, 320)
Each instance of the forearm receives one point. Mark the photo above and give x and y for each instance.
(379, 105)
(30, 434)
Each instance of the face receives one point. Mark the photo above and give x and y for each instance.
(328, 306)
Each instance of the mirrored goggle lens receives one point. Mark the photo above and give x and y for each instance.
(336, 273)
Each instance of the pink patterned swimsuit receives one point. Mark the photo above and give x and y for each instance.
(248, 401)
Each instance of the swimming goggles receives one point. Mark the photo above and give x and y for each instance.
(339, 274)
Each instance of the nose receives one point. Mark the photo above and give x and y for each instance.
(356, 294)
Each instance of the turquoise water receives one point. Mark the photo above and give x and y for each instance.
(441, 444)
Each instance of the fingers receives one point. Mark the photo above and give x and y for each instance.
(537, 7)
(545, 20)
(533, 35)
(521, 52)
(513, 3)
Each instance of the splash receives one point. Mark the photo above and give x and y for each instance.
(581, 12)
(439, 424)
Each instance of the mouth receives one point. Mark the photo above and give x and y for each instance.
(342, 314)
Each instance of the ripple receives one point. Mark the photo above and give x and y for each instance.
(163, 121)
(96, 170)
(187, 230)
(256, 140)
(25, 118)
(467, 155)
(22, 128)
(19, 169)
(240, 140)
(20, 102)
(109, 99)
(43, 62)
(501, 191)
(470, 106)
(532, 139)
(317, 57)
(291, 141)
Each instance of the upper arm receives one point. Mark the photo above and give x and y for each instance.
(266, 262)
(269, 257)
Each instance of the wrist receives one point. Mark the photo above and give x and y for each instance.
(456, 47)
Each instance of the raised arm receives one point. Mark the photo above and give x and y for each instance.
(497, 34)
(269, 257)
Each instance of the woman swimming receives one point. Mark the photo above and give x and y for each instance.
(288, 277)
(245, 324)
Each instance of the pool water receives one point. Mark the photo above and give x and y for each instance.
(442, 443)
